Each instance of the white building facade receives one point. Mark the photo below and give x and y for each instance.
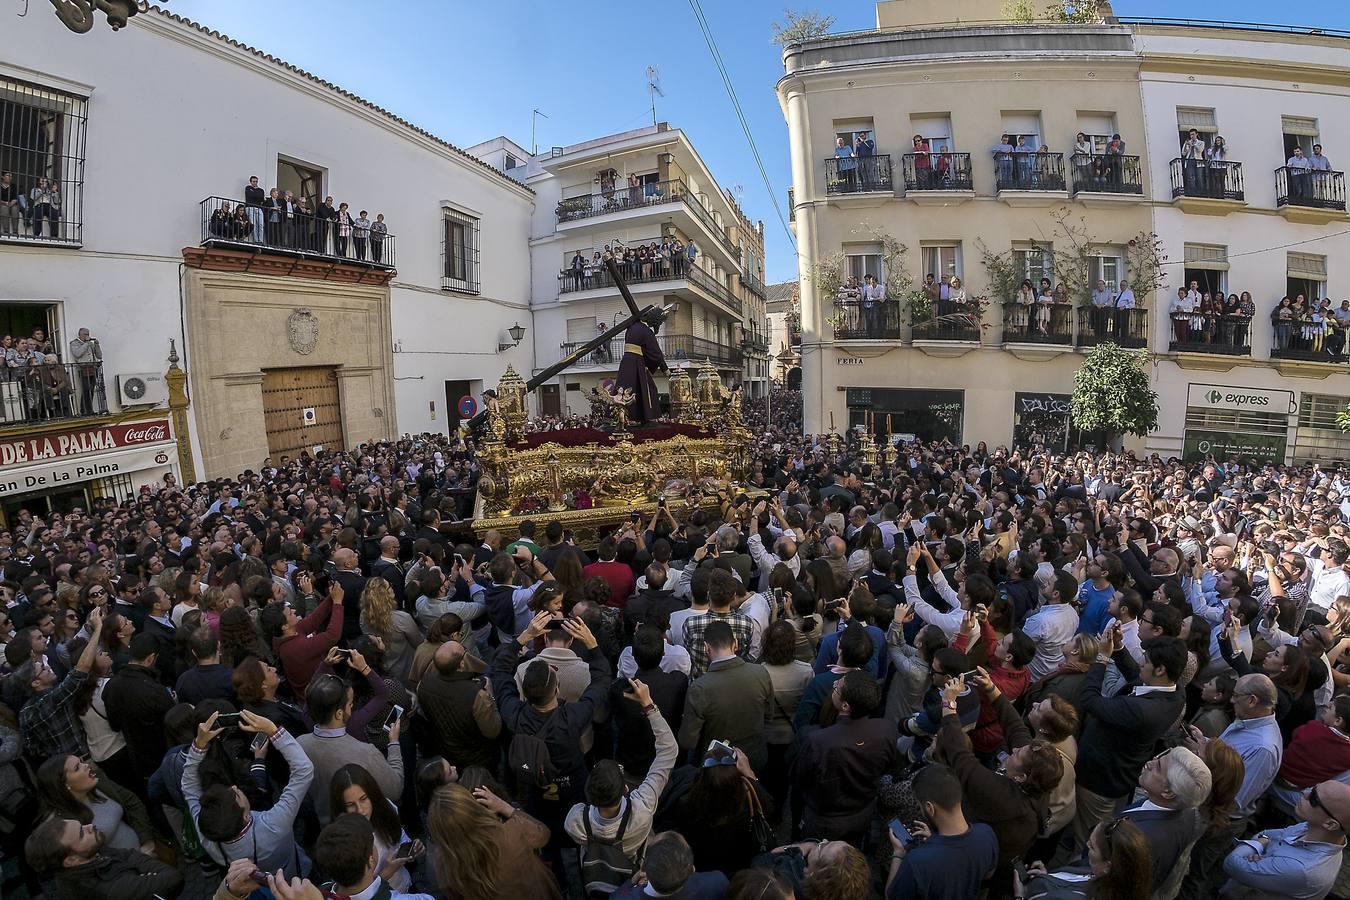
(290, 339)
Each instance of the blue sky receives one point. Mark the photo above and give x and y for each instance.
(468, 72)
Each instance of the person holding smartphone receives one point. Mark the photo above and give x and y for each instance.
(942, 854)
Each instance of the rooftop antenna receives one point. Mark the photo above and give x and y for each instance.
(534, 145)
(654, 88)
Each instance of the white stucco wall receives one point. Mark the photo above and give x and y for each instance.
(175, 116)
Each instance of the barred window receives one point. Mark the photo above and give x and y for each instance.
(459, 252)
(42, 134)
(1320, 410)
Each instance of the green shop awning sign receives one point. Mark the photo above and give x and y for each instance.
(1222, 444)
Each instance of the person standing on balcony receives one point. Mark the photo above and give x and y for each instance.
(361, 233)
(40, 205)
(288, 219)
(1025, 164)
(344, 230)
(844, 164)
(1180, 311)
(864, 148)
(1045, 301)
(1123, 304)
(1102, 302)
(1299, 169)
(922, 163)
(690, 251)
(304, 225)
(10, 214)
(873, 297)
(1003, 161)
(87, 355)
(254, 198)
(274, 207)
(326, 214)
(932, 291)
(1114, 151)
(1317, 163)
(1218, 166)
(1193, 153)
(578, 265)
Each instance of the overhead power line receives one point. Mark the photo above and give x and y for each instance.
(740, 115)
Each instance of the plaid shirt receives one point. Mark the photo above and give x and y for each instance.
(742, 627)
(49, 724)
(1297, 594)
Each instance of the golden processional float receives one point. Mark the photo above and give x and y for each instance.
(592, 479)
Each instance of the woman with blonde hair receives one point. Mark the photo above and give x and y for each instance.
(396, 628)
(484, 848)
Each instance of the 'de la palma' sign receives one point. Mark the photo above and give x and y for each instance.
(49, 447)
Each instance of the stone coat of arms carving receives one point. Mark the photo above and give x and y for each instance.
(302, 330)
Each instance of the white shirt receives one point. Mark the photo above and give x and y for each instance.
(1331, 583)
(675, 659)
(949, 622)
(1052, 627)
(677, 619)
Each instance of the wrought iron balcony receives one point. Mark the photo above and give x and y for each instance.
(1221, 335)
(938, 172)
(1037, 323)
(1030, 172)
(633, 273)
(754, 286)
(48, 393)
(1297, 340)
(1123, 327)
(949, 322)
(855, 321)
(1109, 173)
(621, 198)
(1207, 179)
(676, 347)
(1312, 188)
(233, 224)
(857, 174)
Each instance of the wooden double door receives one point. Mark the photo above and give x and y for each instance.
(303, 410)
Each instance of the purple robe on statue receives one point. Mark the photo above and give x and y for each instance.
(641, 356)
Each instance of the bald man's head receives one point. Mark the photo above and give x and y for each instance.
(344, 558)
(449, 657)
(837, 547)
(1254, 696)
(1330, 811)
(389, 547)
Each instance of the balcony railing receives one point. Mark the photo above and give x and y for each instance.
(309, 236)
(1110, 173)
(755, 286)
(659, 269)
(938, 172)
(621, 198)
(1306, 341)
(1124, 327)
(647, 273)
(1312, 188)
(716, 288)
(877, 322)
(676, 347)
(49, 393)
(1207, 179)
(1221, 335)
(1039, 323)
(857, 174)
(1030, 172)
(949, 322)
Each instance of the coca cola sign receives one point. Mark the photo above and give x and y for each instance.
(65, 444)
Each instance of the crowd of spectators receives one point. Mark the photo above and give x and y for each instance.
(985, 673)
(652, 261)
(36, 383)
(280, 219)
(24, 210)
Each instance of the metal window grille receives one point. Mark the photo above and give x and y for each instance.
(117, 487)
(1237, 421)
(42, 134)
(459, 252)
(1320, 411)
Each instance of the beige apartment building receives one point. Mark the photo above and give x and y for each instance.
(1093, 116)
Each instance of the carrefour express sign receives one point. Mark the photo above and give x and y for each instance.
(1220, 396)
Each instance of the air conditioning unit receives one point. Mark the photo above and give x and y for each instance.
(142, 389)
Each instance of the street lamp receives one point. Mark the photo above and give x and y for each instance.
(516, 332)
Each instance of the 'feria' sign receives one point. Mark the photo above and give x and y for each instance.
(86, 440)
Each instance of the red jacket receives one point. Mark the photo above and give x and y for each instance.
(988, 734)
(619, 577)
(1316, 754)
(301, 654)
